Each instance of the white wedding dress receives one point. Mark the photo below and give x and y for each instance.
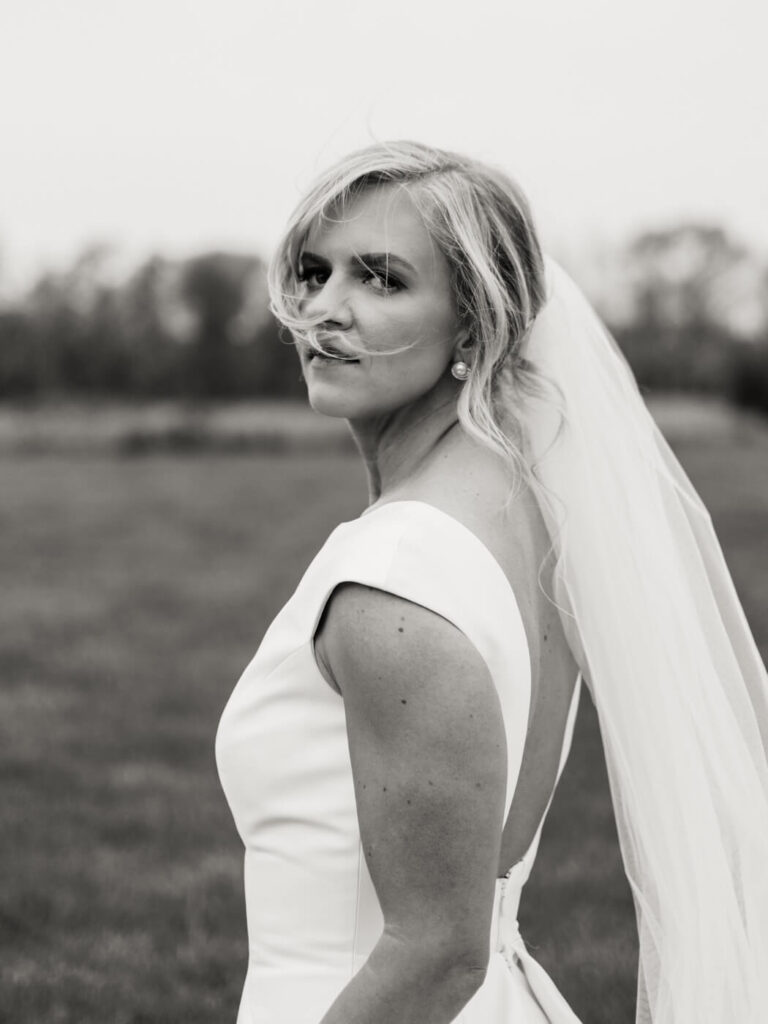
(281, 748)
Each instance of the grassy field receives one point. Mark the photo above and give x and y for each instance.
(136, 591)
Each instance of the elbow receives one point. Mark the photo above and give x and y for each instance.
(445, 963)
(474, 968)
(463, 978)
(463, 968)
(473, 977)
(469, 948)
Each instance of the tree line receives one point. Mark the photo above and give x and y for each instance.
(690, 313)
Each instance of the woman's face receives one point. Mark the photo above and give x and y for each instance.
(376, 277)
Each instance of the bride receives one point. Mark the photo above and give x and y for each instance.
(391, 751)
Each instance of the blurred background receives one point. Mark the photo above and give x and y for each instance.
(164, 485)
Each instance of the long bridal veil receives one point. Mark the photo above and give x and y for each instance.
(674, 672)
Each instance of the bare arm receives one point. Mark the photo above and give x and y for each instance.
(428, 754)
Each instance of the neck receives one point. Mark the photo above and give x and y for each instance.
(395, 446)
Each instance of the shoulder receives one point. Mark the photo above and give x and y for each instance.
(413, 586)
(374, 640)
(484, 497)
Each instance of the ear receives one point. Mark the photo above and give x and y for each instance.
(463, 346)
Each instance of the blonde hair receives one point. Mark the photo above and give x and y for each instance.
(481, 221)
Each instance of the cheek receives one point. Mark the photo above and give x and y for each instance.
(391, 381)
(425, 325)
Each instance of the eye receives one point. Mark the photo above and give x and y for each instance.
(384, 282)
(313, 277)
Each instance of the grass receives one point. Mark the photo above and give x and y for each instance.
(141, 587)
(108, 426)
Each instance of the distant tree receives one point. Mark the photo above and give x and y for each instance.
(153, 320)
(280, 367)
(18, 366)
(749, 386)
(72, 334)
(214, 286)
(237, 348)
(683, 281)
(682, 275)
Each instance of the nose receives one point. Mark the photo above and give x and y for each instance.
(329, 301)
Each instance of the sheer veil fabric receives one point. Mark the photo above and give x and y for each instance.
(679, 686)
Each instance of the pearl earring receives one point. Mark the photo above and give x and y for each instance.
(460, 371)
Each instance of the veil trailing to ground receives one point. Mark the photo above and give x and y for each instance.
(674, 672)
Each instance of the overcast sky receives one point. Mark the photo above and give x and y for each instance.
(178, 125)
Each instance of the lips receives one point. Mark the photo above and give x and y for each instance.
(331, 352)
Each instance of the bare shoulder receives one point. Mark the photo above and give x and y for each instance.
(473, 484)
(371, 635)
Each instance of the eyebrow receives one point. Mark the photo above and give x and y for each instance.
(389, 258)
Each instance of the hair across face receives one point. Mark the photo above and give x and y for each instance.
(487, 268)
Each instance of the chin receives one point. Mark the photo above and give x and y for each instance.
(328, 401)
(346, 394)
(344, 403)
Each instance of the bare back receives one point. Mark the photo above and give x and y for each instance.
(471, 484)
